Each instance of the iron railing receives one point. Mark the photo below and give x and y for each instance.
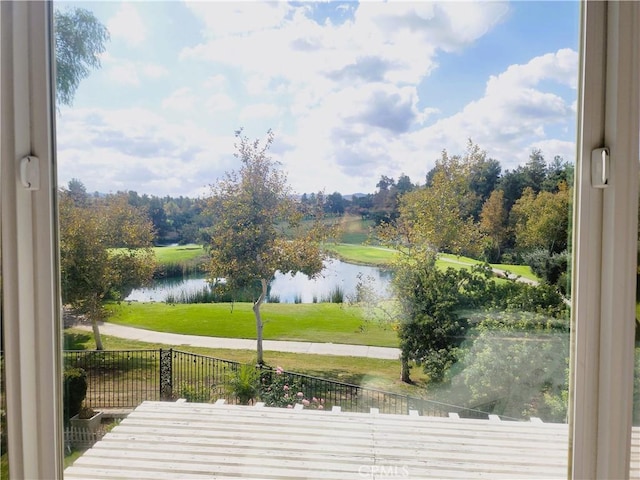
(120, 379)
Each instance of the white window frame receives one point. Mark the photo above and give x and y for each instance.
(32, 333)
(605, 237)
(605, 243)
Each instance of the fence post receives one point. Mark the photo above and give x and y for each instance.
(166, 374)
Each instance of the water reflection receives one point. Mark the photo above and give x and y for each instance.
(288, 289)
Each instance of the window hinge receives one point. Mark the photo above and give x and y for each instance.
(600, 165)
(30, 173)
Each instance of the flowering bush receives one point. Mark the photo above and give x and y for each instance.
(279, 389)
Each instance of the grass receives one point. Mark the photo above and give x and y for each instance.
(353, 229)
(457, 261)
(177, 261)
(362, 254)
(319, 322)
(177, 254)
(367, 372)
(381, 256)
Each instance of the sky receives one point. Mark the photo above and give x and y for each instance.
(352, 90)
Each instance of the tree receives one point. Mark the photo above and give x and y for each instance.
(493, 222)
(439, 216)
(92, 270)
(251, 208)
(78, 192)
(335, 204)
(404, 185)
(512, 183)
(542, 220)
(483, 177)
(79, 40)
(430, 329)
(558, 171)
(384, 201)
(535, 170)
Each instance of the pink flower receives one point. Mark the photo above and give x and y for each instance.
(305, 402)
(320, 407)
(279, 370)
(289, 406)
(286, 388)
(314, 400)
(300, 394)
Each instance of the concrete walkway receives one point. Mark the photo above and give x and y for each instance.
(176, 339)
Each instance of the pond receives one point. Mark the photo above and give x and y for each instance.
(286, 288)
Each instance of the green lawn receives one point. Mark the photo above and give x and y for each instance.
(177, 254)
(368, 372)
(380, 256)
(457, 261)
(316, 322)
(362, 254)
(354, 230)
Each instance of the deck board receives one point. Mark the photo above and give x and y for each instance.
(165, 440)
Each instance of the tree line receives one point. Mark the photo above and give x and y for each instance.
(472, 207)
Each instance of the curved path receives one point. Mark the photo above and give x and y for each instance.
(176, 339)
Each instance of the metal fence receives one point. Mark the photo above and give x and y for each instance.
(119, 379)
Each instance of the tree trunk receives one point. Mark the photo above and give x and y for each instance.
(96, 333)
(94, 312)
(404, 369)
(259, 325)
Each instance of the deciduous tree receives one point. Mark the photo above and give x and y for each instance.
(493, 222)
(542, 220)
(439, 216)
(251, 208)
(79, 40)
(92, 269)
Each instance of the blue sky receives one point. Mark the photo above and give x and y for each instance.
(352, 90)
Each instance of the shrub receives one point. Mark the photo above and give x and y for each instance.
(245, 384)
(279, 389)
(198, 393)
(74, 391)
(550, 267)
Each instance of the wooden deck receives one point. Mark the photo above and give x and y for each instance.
(161, 440)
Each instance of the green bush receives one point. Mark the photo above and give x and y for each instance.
(550, 267)
(198, 393)
(74, 391)
(279, 389)
(245, 384)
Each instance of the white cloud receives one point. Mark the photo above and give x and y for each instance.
(215, 82)
(227, 18)
(517, 109)
(132, 73)
(137, 149)
(259, 110)
(347, 137)
(127, 25)
(560, 67)
(220, 103)
(346, 93)
(154, 71)
(282, 49)
(182, 100)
